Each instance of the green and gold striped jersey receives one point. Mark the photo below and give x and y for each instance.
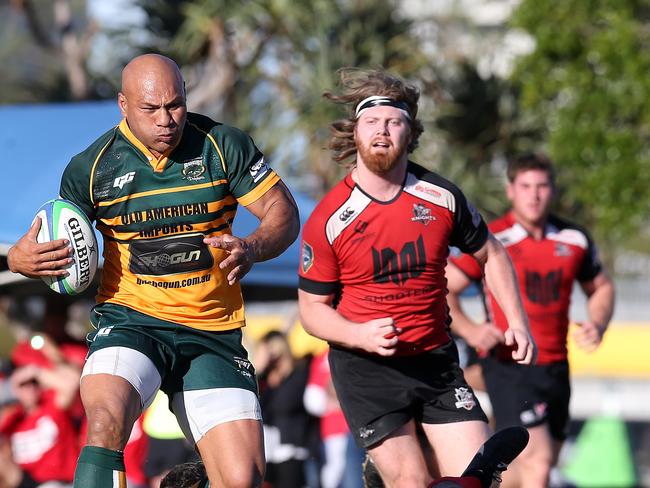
(153, 214)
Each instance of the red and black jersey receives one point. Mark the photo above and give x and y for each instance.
(546, 270)
(388, 258)
(43, 441)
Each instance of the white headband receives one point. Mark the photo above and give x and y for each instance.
(379, 100)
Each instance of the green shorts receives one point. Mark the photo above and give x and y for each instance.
(186, 358)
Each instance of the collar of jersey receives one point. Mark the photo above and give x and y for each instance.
(158, 164)
(548, 226)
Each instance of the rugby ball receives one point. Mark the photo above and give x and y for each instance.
(62, 219)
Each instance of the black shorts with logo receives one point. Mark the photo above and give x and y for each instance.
(529, 395)
(378, 394)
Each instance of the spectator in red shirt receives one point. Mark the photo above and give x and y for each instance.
(39, 428)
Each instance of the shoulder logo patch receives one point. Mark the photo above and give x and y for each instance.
(476, 216)
(307, 257)
(259, 169)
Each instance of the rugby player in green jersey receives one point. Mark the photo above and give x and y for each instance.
(163, 187)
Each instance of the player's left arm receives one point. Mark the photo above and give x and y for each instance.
(279, 226)
(502, 282)
(600, 308)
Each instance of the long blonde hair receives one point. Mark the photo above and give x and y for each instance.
(356, 85)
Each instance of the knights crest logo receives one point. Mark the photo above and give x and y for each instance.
(536, 414)
(562, 250)
(422, 214)
(193, 170)
(464, 398)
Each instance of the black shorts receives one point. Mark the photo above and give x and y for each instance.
(529, 395)
(378, 394)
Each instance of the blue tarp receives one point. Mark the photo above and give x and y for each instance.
(36, 143)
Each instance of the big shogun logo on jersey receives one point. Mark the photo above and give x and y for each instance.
(62, 219)
(169, 255)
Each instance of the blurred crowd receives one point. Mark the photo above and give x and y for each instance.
(42, 424)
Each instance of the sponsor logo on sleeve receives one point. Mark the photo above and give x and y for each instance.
(307, 257)
(259, 169)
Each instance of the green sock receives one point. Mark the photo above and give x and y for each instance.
(100, 468)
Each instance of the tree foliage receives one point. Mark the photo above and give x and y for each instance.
(479, 126)
(46, 46)
(264, 64)
(581, 95)
(587, 88)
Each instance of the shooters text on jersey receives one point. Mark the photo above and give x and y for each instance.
(388, 258)
(154, 213)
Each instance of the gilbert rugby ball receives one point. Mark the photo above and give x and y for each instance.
(62, 219)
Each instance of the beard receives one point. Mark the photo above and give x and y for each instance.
(381, 163)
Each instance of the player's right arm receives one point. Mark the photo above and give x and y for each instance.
(33, 259)
(378, 336)
(320, 283)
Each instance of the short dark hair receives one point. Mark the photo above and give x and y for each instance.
(184, 475)
(526, 162)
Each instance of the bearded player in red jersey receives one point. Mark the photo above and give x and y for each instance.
(549, 254)
(372, 284)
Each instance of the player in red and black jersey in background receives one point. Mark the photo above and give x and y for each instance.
(372, 284)
(549, 255)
